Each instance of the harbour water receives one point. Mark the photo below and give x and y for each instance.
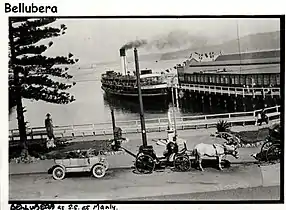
(91, 105)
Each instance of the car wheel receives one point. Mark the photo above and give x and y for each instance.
(59, 173)
(98, 171)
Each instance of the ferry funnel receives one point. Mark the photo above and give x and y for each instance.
(123, 61)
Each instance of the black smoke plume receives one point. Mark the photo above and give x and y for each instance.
(133, 44)
(177, 39)
(173, 40)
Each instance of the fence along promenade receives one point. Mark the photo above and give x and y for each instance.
(152, 125)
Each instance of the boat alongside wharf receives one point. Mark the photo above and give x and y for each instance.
(125, 83)
(152, 84)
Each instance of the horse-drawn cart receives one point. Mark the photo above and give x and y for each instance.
(97, 165)
(146, 161)
(271, 149)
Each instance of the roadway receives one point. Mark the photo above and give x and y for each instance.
(271, 193)
(125, 184)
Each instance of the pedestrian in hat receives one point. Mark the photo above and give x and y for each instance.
(50, 130)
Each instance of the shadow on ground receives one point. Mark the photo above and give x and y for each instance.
(113, 173)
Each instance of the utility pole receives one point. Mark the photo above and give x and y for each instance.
(238, 42)
(173, 107)
(113, 122)
(18, 98)
(143, 128)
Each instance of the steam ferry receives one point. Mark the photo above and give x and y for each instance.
(124, 84)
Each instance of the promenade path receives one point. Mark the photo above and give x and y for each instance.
(123, 160)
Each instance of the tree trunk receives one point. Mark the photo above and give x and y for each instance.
(21, 125)
(18, 97)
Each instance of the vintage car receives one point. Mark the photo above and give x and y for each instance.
(97, 165)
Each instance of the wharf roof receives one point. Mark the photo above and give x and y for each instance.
(261, 57)
(250, 55)
(247, 69)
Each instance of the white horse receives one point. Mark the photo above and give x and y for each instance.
(214, 150)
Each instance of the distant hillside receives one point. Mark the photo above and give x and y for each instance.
(253, 42)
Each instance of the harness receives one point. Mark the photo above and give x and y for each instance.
(215, 147)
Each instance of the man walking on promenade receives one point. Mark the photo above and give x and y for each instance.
(50, 131)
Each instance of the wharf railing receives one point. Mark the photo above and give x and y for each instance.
(230, 90)
(152, 125)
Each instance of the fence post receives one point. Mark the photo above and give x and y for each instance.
(12, 135)
(159, 121)
(31, 134)
(276, 108)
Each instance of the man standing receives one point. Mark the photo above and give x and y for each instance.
(264, 117)
(50, 131)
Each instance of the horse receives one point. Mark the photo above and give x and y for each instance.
(214, 150)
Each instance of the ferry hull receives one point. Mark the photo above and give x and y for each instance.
(159, 93)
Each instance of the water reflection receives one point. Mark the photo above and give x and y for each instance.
(131, 104)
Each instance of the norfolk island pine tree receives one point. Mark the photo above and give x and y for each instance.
(31, 74)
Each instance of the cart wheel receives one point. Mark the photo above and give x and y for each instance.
(59, 173)
(182, 163)
(273, 153)
(266, 146)
(145, 164)
(98, 171)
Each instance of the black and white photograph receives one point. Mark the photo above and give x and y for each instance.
(145, 108)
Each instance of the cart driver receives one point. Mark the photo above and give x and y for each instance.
(182, 145)
(175, 146)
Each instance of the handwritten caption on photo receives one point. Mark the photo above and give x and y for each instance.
(62, 207)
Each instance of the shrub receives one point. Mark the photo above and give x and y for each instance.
(222, 126)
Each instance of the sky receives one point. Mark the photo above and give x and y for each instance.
(99, 40)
